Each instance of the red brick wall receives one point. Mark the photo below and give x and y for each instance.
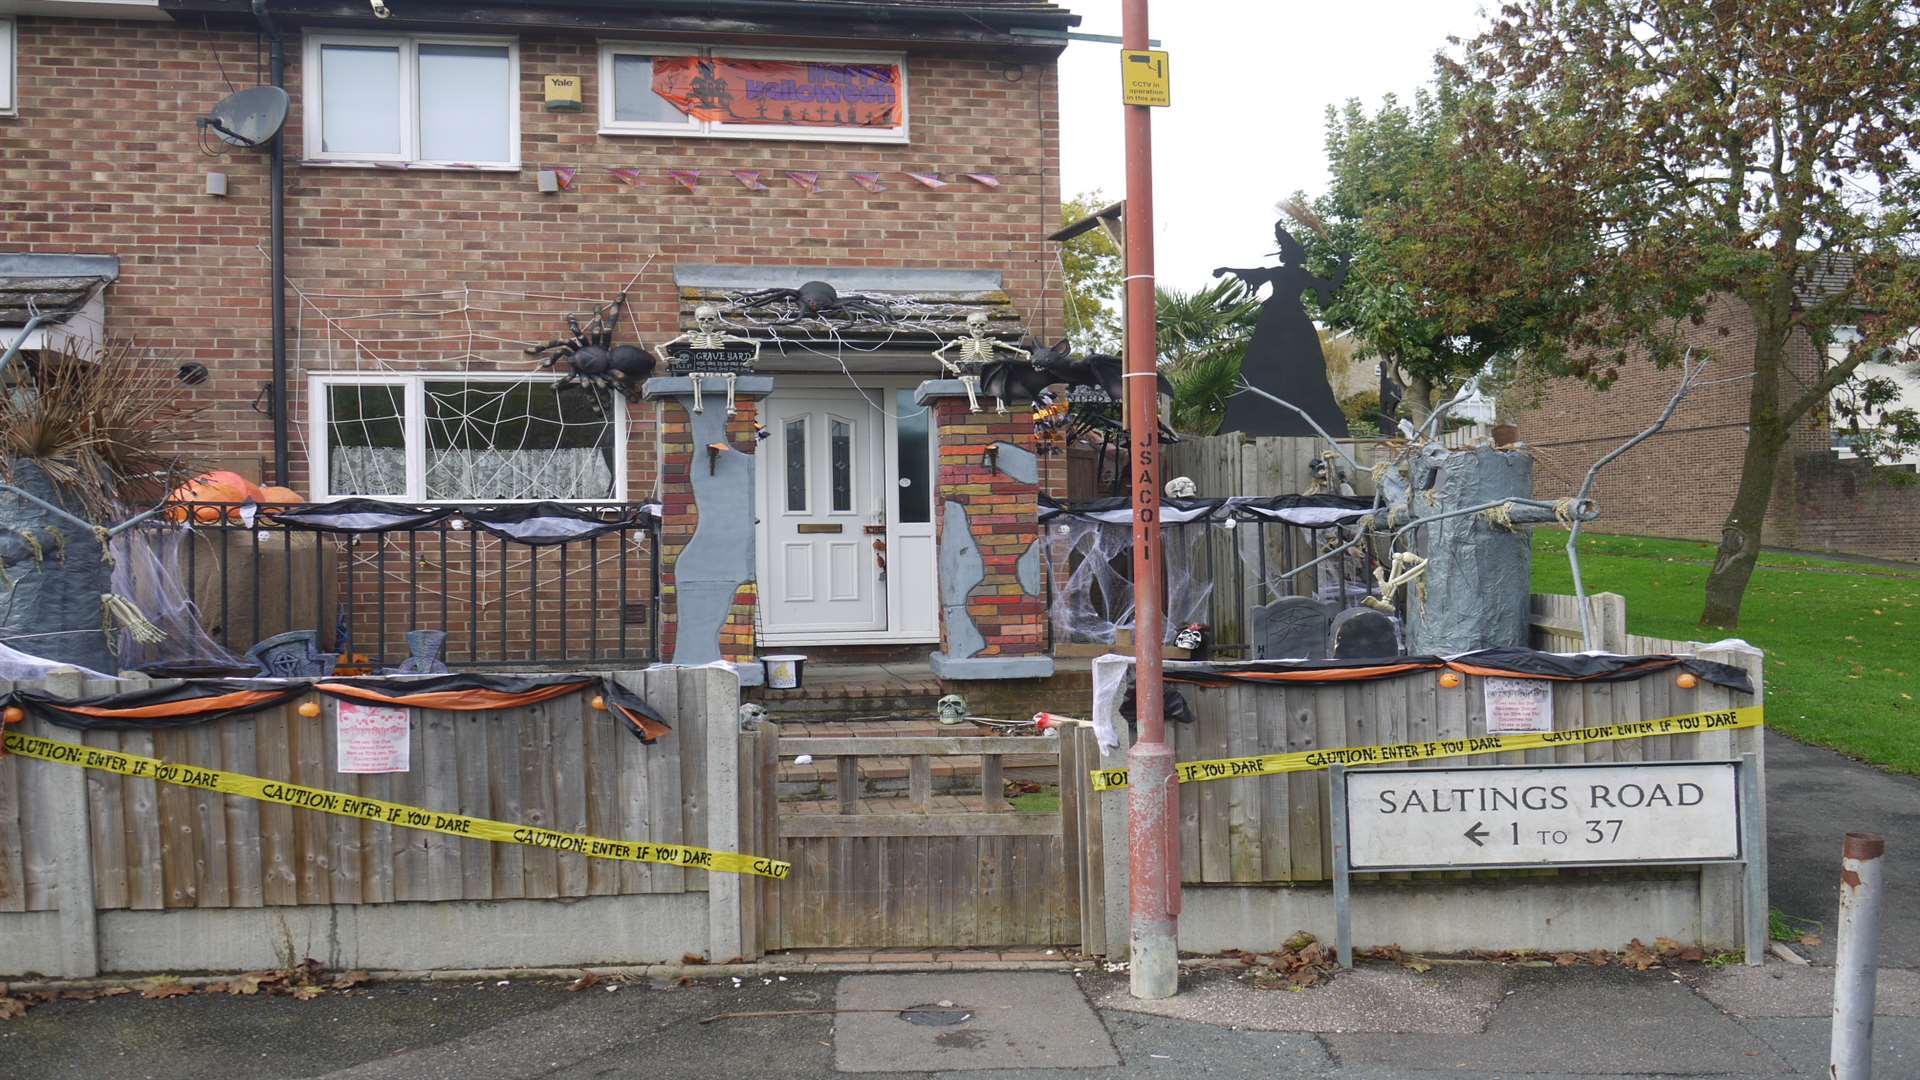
(1841, 506)
(1002, 512)
(104, 158)
(1681, 482)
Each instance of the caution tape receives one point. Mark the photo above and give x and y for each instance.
(1192, 772)
(388, 813)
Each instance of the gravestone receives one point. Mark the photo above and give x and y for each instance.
(1364, 634)
(1290, 628)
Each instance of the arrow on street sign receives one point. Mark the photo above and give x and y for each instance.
(1475, 833)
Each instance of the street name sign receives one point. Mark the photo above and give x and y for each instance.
(1535, 816)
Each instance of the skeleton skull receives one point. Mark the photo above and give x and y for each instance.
(977, 323)
(1191, 636)
(707, 318)
(952, 709)
(1182, 487)
(752, 715)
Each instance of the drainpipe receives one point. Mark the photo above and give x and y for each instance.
(33, 323)
(277, 213)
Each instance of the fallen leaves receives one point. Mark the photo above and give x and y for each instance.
(302, 982)
(586, 979)
(1300, 963)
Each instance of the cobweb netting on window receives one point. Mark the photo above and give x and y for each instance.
(493, 423)
(1092, 566)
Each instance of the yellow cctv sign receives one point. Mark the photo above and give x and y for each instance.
(1143, 77)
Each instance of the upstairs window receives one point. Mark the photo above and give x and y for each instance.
(7, 37)
(753, 94)
(424, 101)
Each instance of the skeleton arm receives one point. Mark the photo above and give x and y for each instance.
(661, 349)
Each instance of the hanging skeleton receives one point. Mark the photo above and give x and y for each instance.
(591, 357)
(710, 335)
(976, 352)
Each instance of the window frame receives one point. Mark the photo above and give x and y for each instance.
(703, 129)
(312, 92)
(413, 424)
(9, 66)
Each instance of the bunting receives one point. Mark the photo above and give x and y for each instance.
(984, 179)
(749, 179)
(686, 178)
(868, 180)
(629, 177)
(929, 179)
(809, 181)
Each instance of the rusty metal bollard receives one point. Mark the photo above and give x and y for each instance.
(1858, 939)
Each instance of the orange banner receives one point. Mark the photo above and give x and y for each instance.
(788, 92)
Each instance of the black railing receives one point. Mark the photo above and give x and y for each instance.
(588, 603)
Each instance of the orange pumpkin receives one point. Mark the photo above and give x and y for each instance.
(274, 495)
(219, 486)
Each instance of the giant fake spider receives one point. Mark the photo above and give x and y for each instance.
(812, 300)
(591, 357)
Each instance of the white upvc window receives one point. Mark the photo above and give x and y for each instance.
(9, 36)
(822, 96)
(412, 100)
(465, 437)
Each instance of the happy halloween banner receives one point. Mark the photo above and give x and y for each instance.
(786, 92)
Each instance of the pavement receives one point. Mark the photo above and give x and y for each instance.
(1383, 1021)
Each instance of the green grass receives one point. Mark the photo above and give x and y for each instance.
(1842, 640)
(1044, 801)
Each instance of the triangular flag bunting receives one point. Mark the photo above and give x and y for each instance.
(629, 177)
(931, 180)
(686, 178)
(984, 179)
(565, 175)
(807, 180)
(868, 180)
(749, 179)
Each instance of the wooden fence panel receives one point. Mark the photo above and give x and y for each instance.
(560, 765)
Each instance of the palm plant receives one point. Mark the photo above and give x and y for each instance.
(1202, 336)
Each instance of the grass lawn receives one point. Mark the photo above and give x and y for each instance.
(1842, 640)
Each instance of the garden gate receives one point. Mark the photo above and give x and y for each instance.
(883, 864)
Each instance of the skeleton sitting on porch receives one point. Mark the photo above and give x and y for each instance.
(976, 352)
(708, 333)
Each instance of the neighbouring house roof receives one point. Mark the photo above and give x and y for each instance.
(926, 304)
(1825, 278)
(1005, 24)
(56, 285)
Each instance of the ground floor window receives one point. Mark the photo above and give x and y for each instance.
(465, 438)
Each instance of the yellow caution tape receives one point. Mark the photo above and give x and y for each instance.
(1192, 772)
(389, 813)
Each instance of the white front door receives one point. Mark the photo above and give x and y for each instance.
(846, 529)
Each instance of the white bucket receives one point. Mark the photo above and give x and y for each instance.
(783, 672)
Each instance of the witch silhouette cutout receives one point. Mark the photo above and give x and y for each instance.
(1284, 357)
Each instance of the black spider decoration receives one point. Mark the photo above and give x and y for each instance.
(591, 357)
(812, 300)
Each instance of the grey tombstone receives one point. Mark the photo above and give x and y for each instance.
(1290, 628)
(1364, 634)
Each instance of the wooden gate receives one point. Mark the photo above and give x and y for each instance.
(924, 856)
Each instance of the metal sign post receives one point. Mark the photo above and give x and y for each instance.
(1530, 816)
(1153, 802)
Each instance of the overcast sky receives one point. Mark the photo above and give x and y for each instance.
(1251, 82)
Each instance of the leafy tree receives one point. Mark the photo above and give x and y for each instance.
(1202, 337)
(1093, 267)
(1647, 155)
(1397, 164)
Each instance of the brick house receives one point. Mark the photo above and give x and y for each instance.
(461, 177)
(1681, 483)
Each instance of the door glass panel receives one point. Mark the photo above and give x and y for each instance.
(796, 449)
(915, 452)
(840, 445)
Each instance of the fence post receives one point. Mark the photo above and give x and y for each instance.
(1857, 938)
(719, 708)
(67, 810)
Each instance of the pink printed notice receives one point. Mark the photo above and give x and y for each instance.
(373, 738)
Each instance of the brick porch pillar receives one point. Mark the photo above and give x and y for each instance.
(992, 607)
(707, 524)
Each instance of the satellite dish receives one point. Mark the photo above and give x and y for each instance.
(249, 118)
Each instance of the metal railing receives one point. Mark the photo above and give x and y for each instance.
(590, 603)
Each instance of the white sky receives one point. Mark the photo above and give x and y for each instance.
(1251, 81)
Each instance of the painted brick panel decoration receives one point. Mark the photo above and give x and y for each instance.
(987, 488)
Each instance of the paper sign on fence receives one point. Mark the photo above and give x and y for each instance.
(1518, 706)
(373, 738)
